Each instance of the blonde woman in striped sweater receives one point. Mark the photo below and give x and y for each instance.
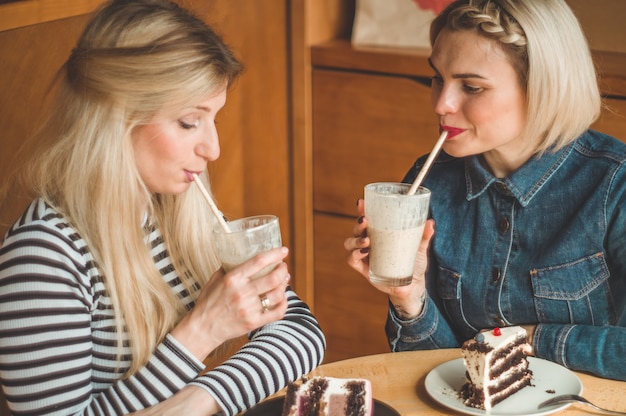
(111, 295)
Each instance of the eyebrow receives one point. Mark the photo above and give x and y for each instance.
(457, 76)
(203, 108)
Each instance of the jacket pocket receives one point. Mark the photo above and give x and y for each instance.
(449, 290)
(574, 292)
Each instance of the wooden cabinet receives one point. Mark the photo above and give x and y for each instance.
(371, 118)
(367, 128)
(368, 125)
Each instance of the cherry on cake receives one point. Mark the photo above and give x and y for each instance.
(496, 363)
(328, 396)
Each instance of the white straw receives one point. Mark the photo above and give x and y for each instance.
(218, 214)
(429, 161)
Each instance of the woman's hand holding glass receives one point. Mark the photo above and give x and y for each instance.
(232, 304)
(407, 300)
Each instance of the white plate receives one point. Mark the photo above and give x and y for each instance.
(444, 382)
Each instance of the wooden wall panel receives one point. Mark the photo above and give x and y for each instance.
(350, 310)
(31, 56)
(368, 128)
(311, 22)
(20, 13)
(612, 121)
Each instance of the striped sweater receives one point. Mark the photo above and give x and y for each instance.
(57, 341)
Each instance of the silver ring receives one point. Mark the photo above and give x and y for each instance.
(265, 303)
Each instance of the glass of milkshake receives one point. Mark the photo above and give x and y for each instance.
(395, 223)
(245, 238)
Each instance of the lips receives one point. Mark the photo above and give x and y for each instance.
(189, 174)
(452, 131)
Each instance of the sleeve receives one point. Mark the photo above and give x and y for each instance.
(428, 331)
(599, 350)
(47, 358)
(275, 355)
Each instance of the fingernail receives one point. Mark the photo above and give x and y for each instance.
(364, 250)
(288, 277)
(285, 250)
(364, 234)
(360, 219)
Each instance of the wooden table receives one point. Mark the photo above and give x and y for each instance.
(398, 380)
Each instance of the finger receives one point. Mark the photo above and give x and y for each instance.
(275, 299)
(360, 228)
(256, 264)
(429, 232)
(360, 239)
(360, 206)
(359, 261)
(356, 243)
(278, 279)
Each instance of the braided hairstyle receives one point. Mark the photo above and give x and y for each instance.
(489, 19)
(546, 46)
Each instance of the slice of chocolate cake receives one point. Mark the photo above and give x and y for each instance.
(496, 364)
(328, 396)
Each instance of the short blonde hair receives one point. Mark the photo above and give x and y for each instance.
(546, 45)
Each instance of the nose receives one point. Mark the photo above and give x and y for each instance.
(444, 100)
(208, 147)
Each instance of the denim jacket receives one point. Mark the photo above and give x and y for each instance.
(545, 246)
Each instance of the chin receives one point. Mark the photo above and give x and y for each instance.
(174, 190)
(182, 189)
(458, 151)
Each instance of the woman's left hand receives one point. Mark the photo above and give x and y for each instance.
(232, 304)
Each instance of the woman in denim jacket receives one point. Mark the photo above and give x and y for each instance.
(529, 204)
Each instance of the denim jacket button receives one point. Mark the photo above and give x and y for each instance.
(495, 274)
(503, 225)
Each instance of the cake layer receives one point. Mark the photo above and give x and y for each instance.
(328, 396)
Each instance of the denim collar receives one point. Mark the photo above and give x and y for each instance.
(523, 184)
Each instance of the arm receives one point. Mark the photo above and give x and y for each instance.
(428, 330)
(599, 350)
(278, 353)
(602, 357)
(55, 327)
(57, 350)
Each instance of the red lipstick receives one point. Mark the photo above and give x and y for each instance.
(452, 131)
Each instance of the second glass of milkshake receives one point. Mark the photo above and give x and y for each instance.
(395, 224)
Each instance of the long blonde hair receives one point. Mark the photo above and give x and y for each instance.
(133, 59)
(546, 45)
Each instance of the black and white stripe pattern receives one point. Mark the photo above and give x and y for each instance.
(58, 353)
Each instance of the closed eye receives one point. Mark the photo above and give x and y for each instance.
(472, 89)
(188, 126)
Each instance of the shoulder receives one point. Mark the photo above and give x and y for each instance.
(42, 234)
(41, 220)
(600, 145)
